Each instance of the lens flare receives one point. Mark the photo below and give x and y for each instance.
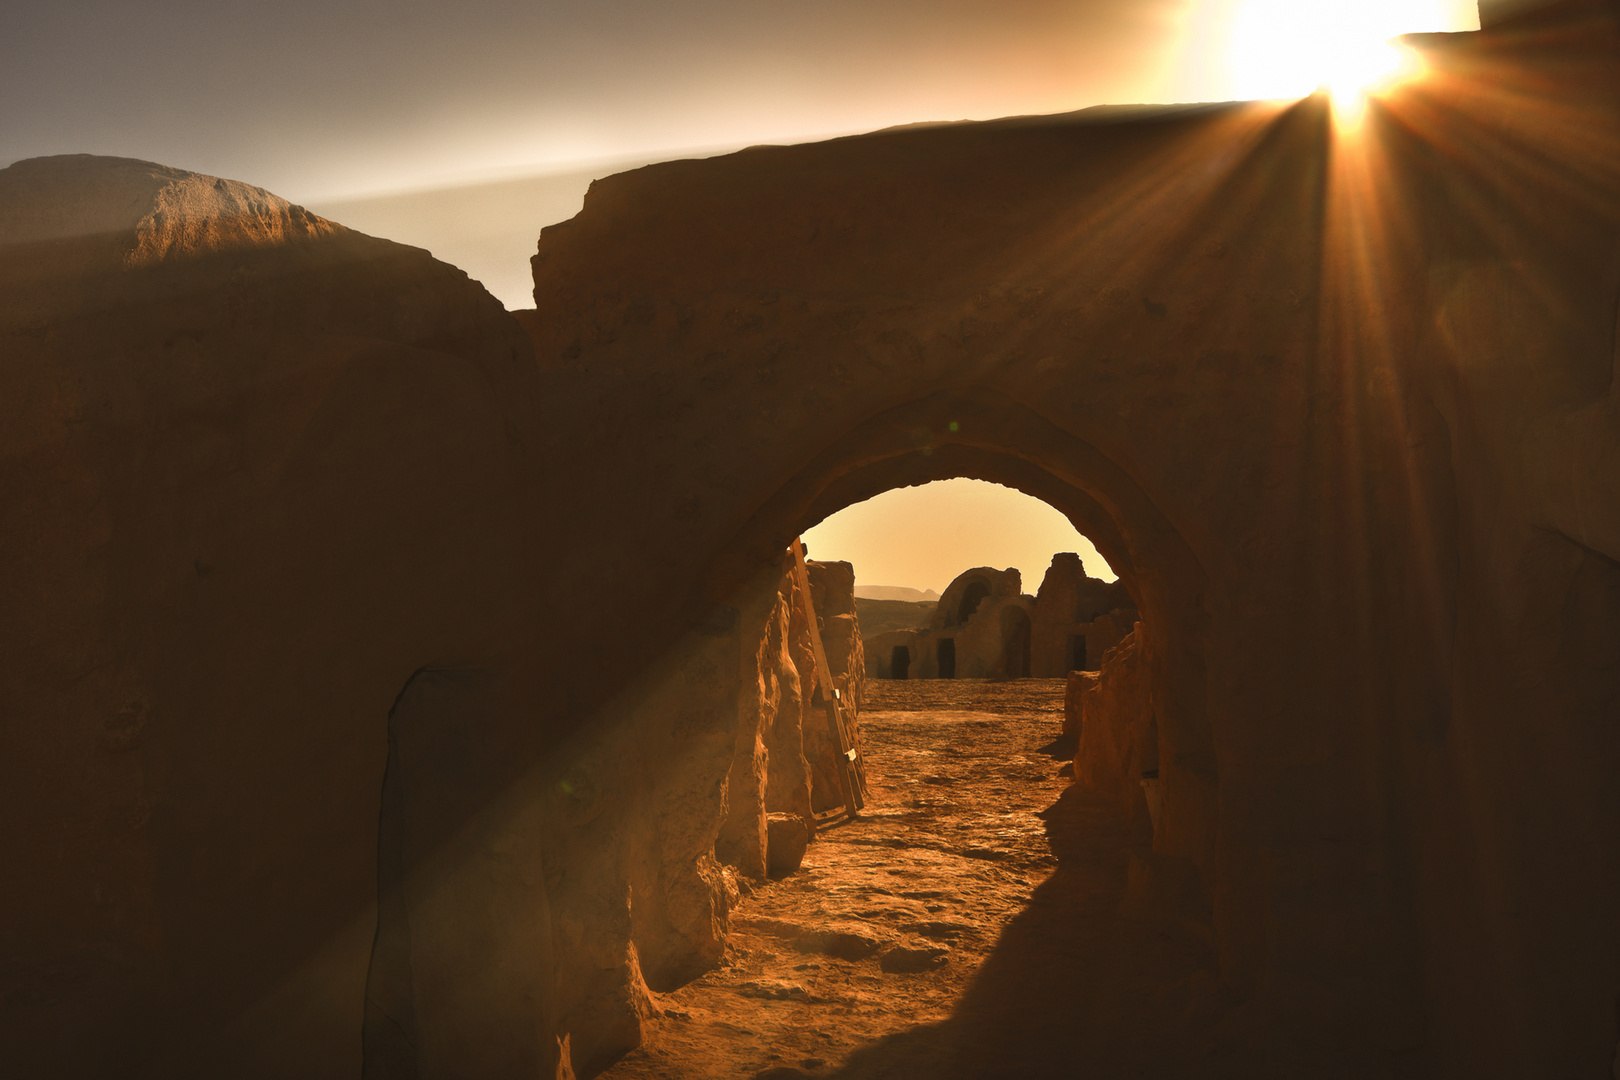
(1290, 48)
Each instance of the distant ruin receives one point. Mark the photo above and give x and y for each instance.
(984, 627)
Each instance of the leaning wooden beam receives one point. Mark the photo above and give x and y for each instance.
(848, 779)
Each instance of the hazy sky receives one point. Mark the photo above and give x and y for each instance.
(494, 115)
(922, 537)
(336, 98)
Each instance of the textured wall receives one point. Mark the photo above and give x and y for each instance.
(1338, 405)
(257, 471)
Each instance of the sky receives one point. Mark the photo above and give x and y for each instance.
(923, 537)
(329, 100)
(494, 115)
(466, 127)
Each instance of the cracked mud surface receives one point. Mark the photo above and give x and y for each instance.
(969, 923)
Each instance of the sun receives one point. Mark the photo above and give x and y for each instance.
(1354, 74)
(1290, 48)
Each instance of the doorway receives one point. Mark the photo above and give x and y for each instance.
(900, 663)
(1077, 652)
(946, 656)
(1015, 644)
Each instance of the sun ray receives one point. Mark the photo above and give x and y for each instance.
(1288, 48)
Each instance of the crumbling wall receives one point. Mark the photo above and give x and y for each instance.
(786, 760)
(1119, 739)
(1070, 604)
(769, 773)
(1009, 634)
(978, 641)
(880, 653)
(258, 470)
(1074, 689)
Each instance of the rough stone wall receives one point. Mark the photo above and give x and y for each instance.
(1119, 740)
(742, 840)
(1074, 689)
(992, 584)
(880, 652)
(769, 772)
(979, 642)
(256, 471)
(1300, 389)
(1102, 633)
(788, 791)
(785, 759)
(1069, 603)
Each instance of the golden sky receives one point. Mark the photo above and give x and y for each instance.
(321, 101)
(922, 537)
(722, 76)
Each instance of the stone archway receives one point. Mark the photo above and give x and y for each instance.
(832, 341)
(1002, 442)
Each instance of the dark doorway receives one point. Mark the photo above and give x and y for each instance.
(1077, 653)
(1015, 635)
(435, 787)
(947, 658)
(972, 597)
(900, 663)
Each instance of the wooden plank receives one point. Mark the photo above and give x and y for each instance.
(848, 780)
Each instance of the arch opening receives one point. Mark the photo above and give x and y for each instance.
(977, 592)
(913, 690)
(985, 436)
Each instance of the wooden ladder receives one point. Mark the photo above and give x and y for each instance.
(849, 772)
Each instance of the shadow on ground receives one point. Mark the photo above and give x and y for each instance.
(1084, 982)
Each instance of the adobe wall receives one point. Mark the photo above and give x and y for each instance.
(1011, 634)
(976, 642)
(786, 758)
(1118, 735)
(880, 652)
(1316, 399)
(258, 473)
(1069, 605)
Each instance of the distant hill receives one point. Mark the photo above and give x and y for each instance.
(895, 592)
(881, 616)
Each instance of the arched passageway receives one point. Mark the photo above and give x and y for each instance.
(1189, 368)
(965, 773)
(1078, 656)
(1000, 441)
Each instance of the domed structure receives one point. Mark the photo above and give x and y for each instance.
(985, 627)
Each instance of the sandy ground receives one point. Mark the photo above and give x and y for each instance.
(973, 922)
